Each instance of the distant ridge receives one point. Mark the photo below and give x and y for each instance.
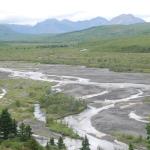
(55, 26)
(126, 19)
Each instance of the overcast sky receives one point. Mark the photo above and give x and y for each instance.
(32, 11)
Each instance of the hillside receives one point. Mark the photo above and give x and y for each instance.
(117, 47)
(6, 33)
(109, 33)
(103, 32)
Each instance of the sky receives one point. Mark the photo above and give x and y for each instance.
(33, 11)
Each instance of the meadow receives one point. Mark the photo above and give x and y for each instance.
(122, 55)
(120, 48)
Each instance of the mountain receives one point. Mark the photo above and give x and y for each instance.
(126, 19)
(4, 30)
(56, 26)
(6, 33)
(20, 28)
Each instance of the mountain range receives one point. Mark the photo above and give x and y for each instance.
(55, 26)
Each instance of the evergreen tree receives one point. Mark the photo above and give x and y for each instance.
(22, 131)
(52, 141)
(61, 144)
(14, 127)
(131, 147)
(5, 124)
(47, 146)
(99, 148)
(85, 144)
(33, 145)
(25, 132)
(148, 135)
(8, 128)
(148, 131)
(28, 132)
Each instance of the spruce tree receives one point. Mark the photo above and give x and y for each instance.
(131, 147)
(25, 132)
(99, 148)
(85, 144)
(148, 131)
(148, 135)
(8, 128)
(33, 145)
(61, 144)
(28, 132)
(22, 131)
(52, 141)
(5, 124)
(47, 146)
(14, 127)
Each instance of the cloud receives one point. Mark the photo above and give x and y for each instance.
(69, 16)
(31, 11)
(18, 20)
(145, 17)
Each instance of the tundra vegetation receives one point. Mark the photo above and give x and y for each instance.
(135, 142)
(13, 137)
(22, 94)
(119, 48)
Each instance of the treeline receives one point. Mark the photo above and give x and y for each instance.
(136, 49)
(51, 145)
(8, 128)
(10, 133)
(13, 137)
(52, 46)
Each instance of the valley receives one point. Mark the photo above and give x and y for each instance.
(119, 48)
(117, 103)
(93, 83)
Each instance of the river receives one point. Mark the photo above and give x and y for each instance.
(81, 123)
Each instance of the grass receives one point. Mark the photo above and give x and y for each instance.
(62, 128)
(137, 141)
(122, 55)
(16, 144)
(22, 94)
(119, 48)
(147, 100)
(57, 106)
